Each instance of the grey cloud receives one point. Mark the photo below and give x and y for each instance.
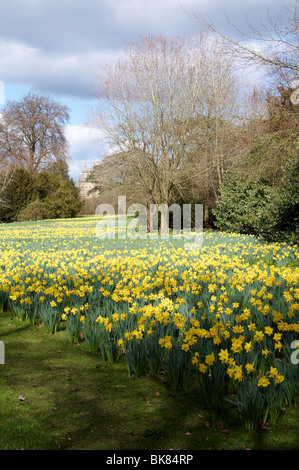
(91, 25)
(71, 74)
(57, 46)
(86, 25)
(56, 25)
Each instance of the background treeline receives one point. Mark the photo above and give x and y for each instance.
(260, 195)
(186, 128)
(44, 196)
(34, 173)
(259, 189)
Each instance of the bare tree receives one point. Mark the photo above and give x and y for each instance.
(153, 104)
(32, 133)
(118, 175)
(279, 38)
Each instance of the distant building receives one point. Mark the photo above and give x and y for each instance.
(86, 186)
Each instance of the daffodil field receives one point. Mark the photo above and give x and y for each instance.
(226, 315)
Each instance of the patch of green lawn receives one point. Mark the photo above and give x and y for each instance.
(56, 395)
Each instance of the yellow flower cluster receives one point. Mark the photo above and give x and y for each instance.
(236, 297)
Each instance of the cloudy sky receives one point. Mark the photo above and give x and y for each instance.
(57, 47)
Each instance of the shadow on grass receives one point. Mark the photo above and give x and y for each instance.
(86, 403)
(14, 330)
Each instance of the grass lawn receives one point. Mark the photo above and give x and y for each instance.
(56, 395)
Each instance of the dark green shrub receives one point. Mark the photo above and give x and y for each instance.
(33, 211)
(258, 208)
(64, 202)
